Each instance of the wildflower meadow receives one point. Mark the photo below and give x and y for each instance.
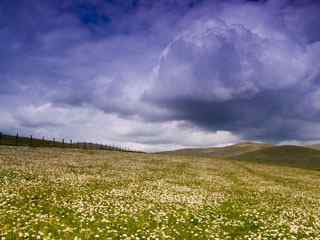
(55, 193)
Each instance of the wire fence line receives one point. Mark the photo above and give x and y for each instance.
(31, 141)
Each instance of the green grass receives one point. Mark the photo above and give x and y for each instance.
(314, 146)
(294, 156)
(10, 140)
(221, 152)
(51, 193)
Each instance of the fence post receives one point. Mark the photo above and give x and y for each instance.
(31, 140)
(71, 143)
(62, 142)
(43, 141)
(17, 138)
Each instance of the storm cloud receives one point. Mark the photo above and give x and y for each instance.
(161, 74)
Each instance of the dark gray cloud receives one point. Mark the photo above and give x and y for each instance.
(245, 72)
(220, 71)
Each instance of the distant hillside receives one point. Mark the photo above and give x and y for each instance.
(222, 152)
(314, 146)
(31, 141)
(294, 156)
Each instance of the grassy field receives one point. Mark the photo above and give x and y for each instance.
(51, 193)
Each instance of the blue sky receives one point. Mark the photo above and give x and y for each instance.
(155, 75)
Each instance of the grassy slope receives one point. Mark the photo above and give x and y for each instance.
(51, 193)
(222, 152)
(25, 141)
(295, 156)
(314, 146)
(11, 140)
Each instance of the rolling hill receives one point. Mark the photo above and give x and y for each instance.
(295, 156)
(222, 152)
(30, 141)
(314, 146)
(287, 155)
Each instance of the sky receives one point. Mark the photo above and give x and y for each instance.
(160, 75)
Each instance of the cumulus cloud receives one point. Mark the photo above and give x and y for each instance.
(90, 124)
(242, 71)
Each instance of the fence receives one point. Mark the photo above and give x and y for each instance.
(17, 140)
